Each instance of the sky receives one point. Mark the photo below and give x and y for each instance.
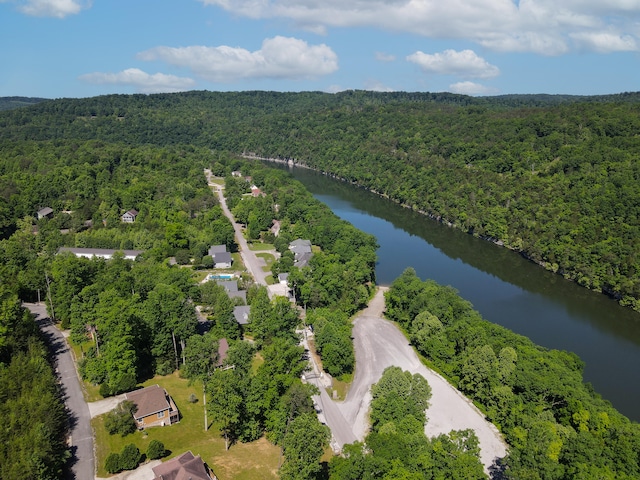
(84, 48)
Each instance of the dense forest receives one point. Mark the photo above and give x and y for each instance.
(553, 177)
(33, 437)
(556, 426)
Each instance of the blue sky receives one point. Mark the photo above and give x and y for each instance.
(83, 48)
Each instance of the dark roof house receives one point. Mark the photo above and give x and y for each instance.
(242, 314)
(183, 467)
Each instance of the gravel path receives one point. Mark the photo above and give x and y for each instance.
(380, 344)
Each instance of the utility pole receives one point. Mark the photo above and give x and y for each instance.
(46, 276)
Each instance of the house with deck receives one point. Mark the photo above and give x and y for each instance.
(155, 407)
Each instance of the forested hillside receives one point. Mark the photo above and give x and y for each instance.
(554, 177)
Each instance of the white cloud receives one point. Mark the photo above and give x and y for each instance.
(470, 88)
(51, 8)
(385, 57)
(541, 26)
(279, 57)
(142, 81)
(376, 86)
(334, 89)
(450, 62)
(605, 42)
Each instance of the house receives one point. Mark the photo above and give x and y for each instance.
(255, 191)
(231, 287)
(242, 314)
(46, 212)
(302, 260)
(222, 260)
(302, 252)
(130, 216)
(106, 253)
(283, 278)
(236, 173)
(300, 246)
(154, 407)
(183, 467)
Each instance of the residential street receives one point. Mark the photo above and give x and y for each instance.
(82, 462)
(251, 261)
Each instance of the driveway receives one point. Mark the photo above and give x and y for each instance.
(82, 463)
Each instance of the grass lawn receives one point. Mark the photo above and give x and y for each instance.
(257, 246)
(268, 259)
(243, 461)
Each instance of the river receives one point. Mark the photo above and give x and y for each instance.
(504, 287)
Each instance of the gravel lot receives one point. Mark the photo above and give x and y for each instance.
(378, 345)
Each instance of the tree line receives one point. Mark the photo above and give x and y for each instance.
(552, 177)
(556, 426)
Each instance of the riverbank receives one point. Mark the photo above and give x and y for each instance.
(550, 267)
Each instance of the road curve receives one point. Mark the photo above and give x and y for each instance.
(82, 462)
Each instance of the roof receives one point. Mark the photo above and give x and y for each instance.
(45, 211)
(302, 260)
(242, 314)
(229, 285)
(283, 277)
(217, 249)
(184, 467)
(300, 243)
(149, 400)
(99, 252)
(132, 212)
(223, 348)
(222, 257)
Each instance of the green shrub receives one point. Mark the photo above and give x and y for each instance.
(156, 450)
(129, 457)
(112, 464)
(120, 419)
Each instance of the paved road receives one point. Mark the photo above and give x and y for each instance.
(82, 462)
(251, 261)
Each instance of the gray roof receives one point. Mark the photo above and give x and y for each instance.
(222, 257)
(283, 277)
(300, 243)
(43, 212)
(242, 314)
(229, 285)
(302, 260)
(213, 249)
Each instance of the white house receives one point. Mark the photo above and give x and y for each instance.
(129, 216)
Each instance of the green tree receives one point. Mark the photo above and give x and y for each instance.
(225, 388)
(120, 419)
(155, 450)
(303, 446)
